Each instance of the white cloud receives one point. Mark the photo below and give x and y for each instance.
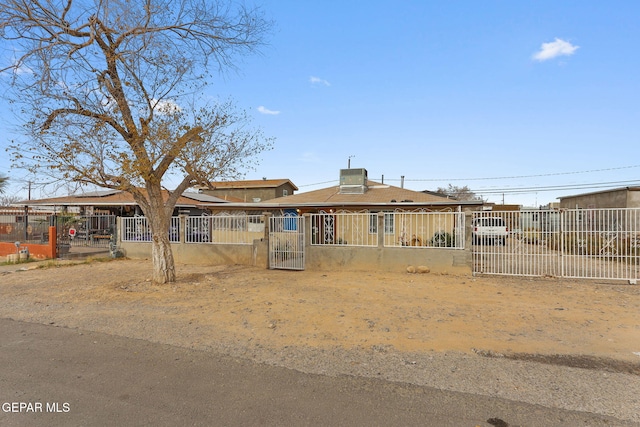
(19, 69)
(318, 81)
(554, 49)
(309, 157)
(264, 110)
(165, 106)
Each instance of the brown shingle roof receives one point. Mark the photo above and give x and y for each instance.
(115, 198)
(376, 193)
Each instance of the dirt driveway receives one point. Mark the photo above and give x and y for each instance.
(564, 321)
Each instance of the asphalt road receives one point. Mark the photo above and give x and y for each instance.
(66, 377)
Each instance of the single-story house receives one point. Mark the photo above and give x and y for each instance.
(354, 193)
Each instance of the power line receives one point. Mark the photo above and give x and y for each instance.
(521, 176)
(528, 190)
(513, 190)
(318, 183)
(491, 178)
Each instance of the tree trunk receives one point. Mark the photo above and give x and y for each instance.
(164, 270)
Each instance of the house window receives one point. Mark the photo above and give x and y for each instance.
(285, 193)
(373, 223)
(389, 223)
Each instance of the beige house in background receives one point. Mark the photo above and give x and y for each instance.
(250, 191)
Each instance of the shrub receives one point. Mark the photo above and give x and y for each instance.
(442, 239)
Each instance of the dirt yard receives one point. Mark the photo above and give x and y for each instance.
(558, 321)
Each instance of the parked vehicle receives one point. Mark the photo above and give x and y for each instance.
(489, 229)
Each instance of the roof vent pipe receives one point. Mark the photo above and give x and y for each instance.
(402, 181)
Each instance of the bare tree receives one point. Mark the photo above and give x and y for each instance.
(3, 183)
(111, 90)
(6, 201)
(459, 193)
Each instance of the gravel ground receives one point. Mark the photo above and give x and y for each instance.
(134, 308)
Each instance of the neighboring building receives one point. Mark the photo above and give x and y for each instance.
(119, 203)
(435, 193)
(539, 219)
(626, 197)
(250, 191)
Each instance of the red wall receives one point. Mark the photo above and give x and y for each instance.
(44, 251)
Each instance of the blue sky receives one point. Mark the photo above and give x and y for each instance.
(495, 95)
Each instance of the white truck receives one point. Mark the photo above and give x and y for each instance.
(488, 230)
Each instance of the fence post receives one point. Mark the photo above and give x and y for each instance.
(182, 229)
(118, 236)
(267, 225)
(468, 229)
(53, 242)
(380, 229)
(306, 218)
(561, 248)
(26, 223)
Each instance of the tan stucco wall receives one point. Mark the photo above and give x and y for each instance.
(325, 258)
(633, 199)
(613, 199)
(204, 253)
(248, 194)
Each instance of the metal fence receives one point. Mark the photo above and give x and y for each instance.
(224, 229)
(424, 229)
(137, 229)
(26, 227)
(344, 228)
(576, 243)
(286, 242)
(401, 229)
(73, 230)
(84, 230)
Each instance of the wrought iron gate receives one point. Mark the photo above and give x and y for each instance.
(572, 243)
(286, 242)
(77, 232)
